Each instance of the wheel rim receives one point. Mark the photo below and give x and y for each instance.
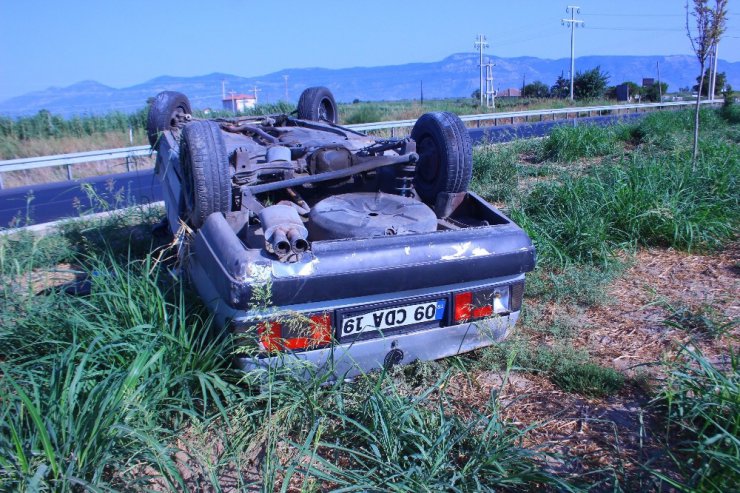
(176, 117)
(428, 166)
(326, 112)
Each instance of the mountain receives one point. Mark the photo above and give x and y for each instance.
(456, 75)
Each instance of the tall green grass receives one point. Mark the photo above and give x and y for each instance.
(644, 200)
(495, 173)
(701, 400)
(130, 386)
(567, 143)
(93, 386)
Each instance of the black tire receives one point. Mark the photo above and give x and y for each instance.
(317, 104)
(206, 182)
(445, 155)
(167, 112)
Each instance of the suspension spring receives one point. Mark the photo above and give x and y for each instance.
(405, 179)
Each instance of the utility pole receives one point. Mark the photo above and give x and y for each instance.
(481, 43)
(421, 91)
(490, 92)
(572, 22)
(713, 82)
(233, 101)
(255, 94)
(286, 88)
(223, 89)
(660, 88)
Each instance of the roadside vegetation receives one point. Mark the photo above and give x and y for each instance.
(45, 133)
(128, 388)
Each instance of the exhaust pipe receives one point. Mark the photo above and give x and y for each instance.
(298, 242)
(285, 235)
(280, 243)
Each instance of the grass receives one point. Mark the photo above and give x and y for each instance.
(571, 370)
(646, 200)
(701, 401)
(130, 388)
(567, 143)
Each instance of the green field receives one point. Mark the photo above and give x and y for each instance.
(622, 375)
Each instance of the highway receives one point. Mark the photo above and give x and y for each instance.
(35, 204)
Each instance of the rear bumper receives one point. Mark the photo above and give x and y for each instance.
(349, 360)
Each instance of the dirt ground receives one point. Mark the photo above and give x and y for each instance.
(603, 440)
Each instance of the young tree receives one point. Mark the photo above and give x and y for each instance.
(654, 92)
(536, 89)
(590, 84)
(710, 25)
(561, 89)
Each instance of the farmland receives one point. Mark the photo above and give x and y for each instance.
(622, 375)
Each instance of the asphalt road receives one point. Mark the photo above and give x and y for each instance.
(35, 204)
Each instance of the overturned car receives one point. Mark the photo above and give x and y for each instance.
(369, 251)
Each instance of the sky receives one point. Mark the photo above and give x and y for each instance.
(45, 43)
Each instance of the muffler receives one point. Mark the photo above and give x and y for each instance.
(285, 235)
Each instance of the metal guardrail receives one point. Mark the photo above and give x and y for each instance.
(137, 151)
(73, 158)
(508, 115)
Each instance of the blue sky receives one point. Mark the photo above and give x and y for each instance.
(47, 43)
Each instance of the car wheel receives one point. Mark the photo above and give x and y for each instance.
(206, 178)
(317, 104)
(167, 112)
(445, 155)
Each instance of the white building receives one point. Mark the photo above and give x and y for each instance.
(239, 102)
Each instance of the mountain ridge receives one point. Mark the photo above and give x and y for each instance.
(453, 76)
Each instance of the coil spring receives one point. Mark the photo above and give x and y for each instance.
(404, 179)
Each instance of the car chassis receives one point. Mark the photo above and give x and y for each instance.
(372, 251)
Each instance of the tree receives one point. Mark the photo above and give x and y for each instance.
(590, 84)
(634, 89)
(536, 89)
(653, 93)
(721, 81)
(710, 25)
(561, 89)
(475, 95)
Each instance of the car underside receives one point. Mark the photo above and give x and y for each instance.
(334, 248)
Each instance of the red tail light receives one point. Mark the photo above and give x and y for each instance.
(463, 306)
(474, 305)
(276, 336)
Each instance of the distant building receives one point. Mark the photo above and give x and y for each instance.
(239, 102)
(623, 92)
(510, 92)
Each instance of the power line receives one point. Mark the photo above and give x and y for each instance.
(646, 29)
(632, 15)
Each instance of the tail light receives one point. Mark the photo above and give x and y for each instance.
(297, 333)
(482, 303)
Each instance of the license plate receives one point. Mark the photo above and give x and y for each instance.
(392, 318)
